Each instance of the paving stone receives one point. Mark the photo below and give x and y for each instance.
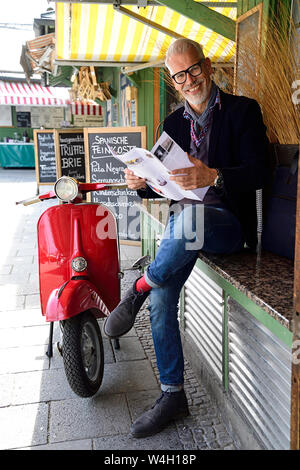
(27, 288)
(184, 433)
(28, 237)
(224, 439)
(25, 336)
(219, 428)
(108, 351)
(20, 318)
(127, 442)
(213, 445)
(23, 359)
(101, 415)
(22, 426)
(198, 436)
(230, 447)
(11, 302)
(84, 444)
(41, 386)
(19, 260)
(56, 361)
(124, 377)
(32, 301)
(18, 279)
(26, 251)
(33, 277)
(141, 401)
(4, 251)
(26, 269)
(130, 350)
(189, 446)
(22, 244)
(6, 269)
(6, 389)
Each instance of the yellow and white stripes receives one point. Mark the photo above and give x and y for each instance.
(87, 32)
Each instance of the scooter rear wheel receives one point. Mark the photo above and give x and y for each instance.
(83, 354)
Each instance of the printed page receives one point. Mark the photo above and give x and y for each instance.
(155, 167)
(145, 165)
(173, 157)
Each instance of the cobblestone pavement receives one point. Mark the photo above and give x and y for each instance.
(204, 428)
(38, 410)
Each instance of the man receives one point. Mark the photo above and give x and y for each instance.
(225, 139)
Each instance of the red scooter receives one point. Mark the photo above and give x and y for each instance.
(79, 277)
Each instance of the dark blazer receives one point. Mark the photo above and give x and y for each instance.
(238, 147)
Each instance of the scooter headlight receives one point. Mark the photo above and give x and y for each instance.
(79, 264)
(66, 188)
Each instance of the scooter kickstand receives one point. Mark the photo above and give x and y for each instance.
(116, 343)
(49, 352)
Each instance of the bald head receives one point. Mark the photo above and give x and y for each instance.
(182, 46)
(185, 57)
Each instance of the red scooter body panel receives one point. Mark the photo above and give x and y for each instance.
(75, 297)
(87, 230)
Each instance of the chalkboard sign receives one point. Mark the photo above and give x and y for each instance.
(23, 119)
(101, 166)
(70, 155)
(45, 162)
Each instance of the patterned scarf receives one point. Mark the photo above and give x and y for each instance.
(201, 124)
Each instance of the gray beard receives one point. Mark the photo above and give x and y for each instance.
(196, 100)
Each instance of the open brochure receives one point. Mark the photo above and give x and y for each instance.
(155, 167)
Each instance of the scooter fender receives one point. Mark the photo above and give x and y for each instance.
(72, 298)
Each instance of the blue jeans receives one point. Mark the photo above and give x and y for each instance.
(209, 228)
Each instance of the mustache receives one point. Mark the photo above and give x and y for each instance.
(187, 87)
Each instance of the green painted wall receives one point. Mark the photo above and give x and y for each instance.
(145, 103)
(111, 75)
(163, 96)
(143, 80)
(269, 6)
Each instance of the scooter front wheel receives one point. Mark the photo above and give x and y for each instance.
(83, 354)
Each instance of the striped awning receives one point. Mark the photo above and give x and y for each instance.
(99, 33)
(17, 93)
(82, 109)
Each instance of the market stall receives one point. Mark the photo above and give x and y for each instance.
(24, 107)
(16, 154)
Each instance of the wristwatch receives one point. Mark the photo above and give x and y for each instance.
(219, 181)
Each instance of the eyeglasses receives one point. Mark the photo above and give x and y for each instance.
(194, 70)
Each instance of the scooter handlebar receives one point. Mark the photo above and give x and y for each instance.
(31, 200)
(82, 187)
(86, 187)
(35, 199)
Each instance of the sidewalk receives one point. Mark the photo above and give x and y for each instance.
(38, 410)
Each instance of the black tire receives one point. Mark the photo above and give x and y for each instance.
(83, 354)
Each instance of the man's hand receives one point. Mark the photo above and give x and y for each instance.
(134, 182)
(197, 176)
